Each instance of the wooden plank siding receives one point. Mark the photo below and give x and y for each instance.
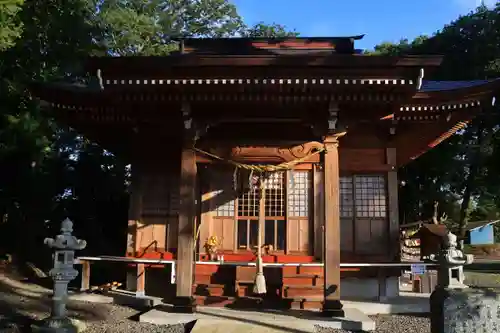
(155, 203)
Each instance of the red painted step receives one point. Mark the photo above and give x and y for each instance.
(303, 280)
(209, 290)
(302, 291)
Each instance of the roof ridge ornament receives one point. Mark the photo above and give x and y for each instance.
(420, 78)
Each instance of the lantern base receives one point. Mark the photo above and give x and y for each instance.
(57, 325)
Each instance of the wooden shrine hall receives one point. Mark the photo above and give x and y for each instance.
(319, 126)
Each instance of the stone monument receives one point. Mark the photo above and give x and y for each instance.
(456, 308)
(62, 273)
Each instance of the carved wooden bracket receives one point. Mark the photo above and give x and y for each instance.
(266, 154)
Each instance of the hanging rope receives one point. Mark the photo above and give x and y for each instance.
(262, 167)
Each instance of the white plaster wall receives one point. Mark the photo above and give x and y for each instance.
(364, 288)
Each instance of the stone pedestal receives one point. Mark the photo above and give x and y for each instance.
(465, 310)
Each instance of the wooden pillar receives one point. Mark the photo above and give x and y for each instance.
(319, 212)
(332, 305)
(393, 205)
(184, 301)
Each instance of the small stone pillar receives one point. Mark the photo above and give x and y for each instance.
(62, 273)
(447, 293)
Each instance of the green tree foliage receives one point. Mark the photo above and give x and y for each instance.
(47, 171)
(274, 30)
(10, 24)
(136, 27)
(463, 172)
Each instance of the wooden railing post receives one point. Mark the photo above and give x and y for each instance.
(85, 284)
(140, 289)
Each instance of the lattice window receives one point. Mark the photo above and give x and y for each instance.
(225, 209)
(370, 196)
(248, 213)
(299, 186)
(275, 194)
(346, 197)
(248, 203)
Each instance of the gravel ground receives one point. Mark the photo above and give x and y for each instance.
(395, 324)
(22, 304)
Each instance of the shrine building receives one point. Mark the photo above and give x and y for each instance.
(324, 127)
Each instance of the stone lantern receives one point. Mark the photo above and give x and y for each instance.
(62, 273)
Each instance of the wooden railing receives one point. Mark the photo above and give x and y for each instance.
(142, 263)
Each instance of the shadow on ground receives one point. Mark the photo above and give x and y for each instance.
(21, 304)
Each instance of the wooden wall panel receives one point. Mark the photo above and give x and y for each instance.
(346, 234)
(371, 236)
(362, 160)
(224, 228)
(379, 236)
(159, 196)
(218, 192)
(293, 239)
(299, 235)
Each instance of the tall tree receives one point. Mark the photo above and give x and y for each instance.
(458, 171)
(10, 24)
(274, 30)
(136, 27)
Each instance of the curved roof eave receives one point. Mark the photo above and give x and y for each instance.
(456, 90)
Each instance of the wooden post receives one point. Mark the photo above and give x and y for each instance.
(392, 189)
(332, 306)
(184, 301)
(85, 285)
(140, 289)
(134, 211)
(319, 212)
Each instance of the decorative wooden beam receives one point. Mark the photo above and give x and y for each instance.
(263, 154)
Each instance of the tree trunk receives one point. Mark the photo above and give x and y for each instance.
(470, 183)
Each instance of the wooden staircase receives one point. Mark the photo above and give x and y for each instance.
(296, 287)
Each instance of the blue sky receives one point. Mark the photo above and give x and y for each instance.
(379, 20)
